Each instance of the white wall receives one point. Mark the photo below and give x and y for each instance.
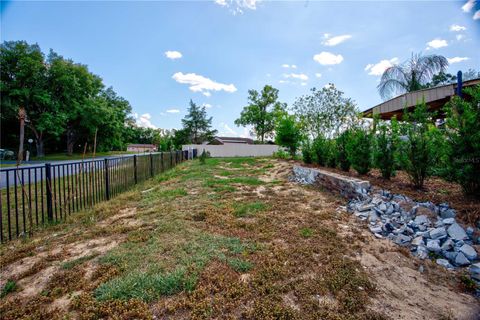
(234, 149)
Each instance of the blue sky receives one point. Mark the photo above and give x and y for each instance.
(159, 55)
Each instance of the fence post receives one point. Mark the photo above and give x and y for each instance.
(171, 159)
(48, 179)
(162, 165)
(135, 168)
(151, 164)
(107, 180)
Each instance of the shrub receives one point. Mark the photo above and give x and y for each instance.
(341, 151)
(359, 150)
(463, 118)
(307, 152)
(281, 154)
(204, 156)
(417, 150)
(320, 150)
(288, 134)
(386, 144)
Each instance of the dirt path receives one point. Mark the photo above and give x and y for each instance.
(255, 246)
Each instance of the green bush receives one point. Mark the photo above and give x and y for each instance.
(288, 134)
(331, 153)
(386, 144)
(307, 152)
(463, 118)
(417, 150)
(203, 157)
(341, 150)
(281, 154)
(359, 150)
(320, 150)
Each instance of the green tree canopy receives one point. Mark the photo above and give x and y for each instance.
(288, 134)
(262, 112)
(196, 125)
(325, 112)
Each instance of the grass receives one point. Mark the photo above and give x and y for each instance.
(9, 287)
(79, 156)
(190, 256)
(249, 209)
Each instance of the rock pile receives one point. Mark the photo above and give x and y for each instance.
(428, 230)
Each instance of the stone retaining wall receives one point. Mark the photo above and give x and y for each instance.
(346, 186)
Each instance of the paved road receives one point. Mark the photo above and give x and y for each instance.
(38, 167)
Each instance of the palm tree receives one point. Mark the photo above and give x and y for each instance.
(411, 75)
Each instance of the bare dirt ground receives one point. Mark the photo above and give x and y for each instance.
(229, 239)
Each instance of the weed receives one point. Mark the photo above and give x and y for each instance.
(239, 265)
(249, 209)
(9, 287)
(306, 232)
(73, 263)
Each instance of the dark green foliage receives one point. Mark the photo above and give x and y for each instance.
(307, 152)
(331, 153)
(197, 126)
(418, 154)
(203, 157)
(359, 150)
(262, 112)
(288, 134)
(341, 150)
(386, 144)
(320, 150)
(9, 287)
(464, 136)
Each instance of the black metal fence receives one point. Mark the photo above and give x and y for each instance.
(36, 195)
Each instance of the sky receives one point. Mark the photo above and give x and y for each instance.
(160, 54)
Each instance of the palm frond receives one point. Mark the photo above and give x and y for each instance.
(394, 80)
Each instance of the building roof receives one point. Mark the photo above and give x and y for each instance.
(223, 140)
(435, 98)
(139, 145)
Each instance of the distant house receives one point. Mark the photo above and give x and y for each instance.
(142, 148)
(230, 140)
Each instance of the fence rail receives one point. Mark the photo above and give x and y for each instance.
(38, 195)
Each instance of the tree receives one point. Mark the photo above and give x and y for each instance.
(288, 134)
(411, 75)
(417, 152)
(262, 112)
(463, 117)
(325, 112)
(197, 126)
(359, 149)
(385, 149)
(23, 84)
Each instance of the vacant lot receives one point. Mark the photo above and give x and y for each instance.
(231, 238)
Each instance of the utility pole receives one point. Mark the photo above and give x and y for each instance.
(21, 117)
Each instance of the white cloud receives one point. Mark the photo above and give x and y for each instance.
(467, 7)
(436, 44)
(476, 16)
(283, 81)
(377, 69)
(318, 75)
(457, 28)
(333, 41)
(457, 59)
(173, 54)
(238, 6)
(286, 66)
(293, 66)
(173, 111)
(328, 58)
(459, 36)
(300, 76)
(144, 121)
(226, 130)
(303, 83)
(207, 105)
(202, 84)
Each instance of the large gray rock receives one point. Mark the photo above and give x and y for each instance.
(418, 241)
(475, 271)
(450, 255)
(447, 245)
(449, 221)
(422, 219)
(438, 233)
(444, 263)
(376, 229)
(448, 213)
(461, 260)
(402, 240)
(456, 232)
(468, 251)
(422, 252)
(434, 246)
